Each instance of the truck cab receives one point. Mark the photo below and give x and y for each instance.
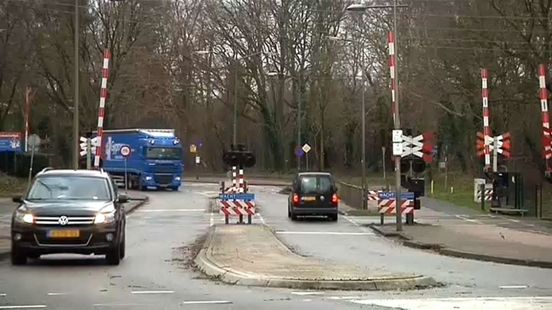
(155, 160)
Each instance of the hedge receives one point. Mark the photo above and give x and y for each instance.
(18, 164)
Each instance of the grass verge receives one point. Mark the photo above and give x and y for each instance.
(456, 188)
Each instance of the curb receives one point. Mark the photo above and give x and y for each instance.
(230, 276)
(445, 251)
(141, 202)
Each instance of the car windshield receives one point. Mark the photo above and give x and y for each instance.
(315, 184)
(69, 188)
(171, 153)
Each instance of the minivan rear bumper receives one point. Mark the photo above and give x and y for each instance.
(314, 210)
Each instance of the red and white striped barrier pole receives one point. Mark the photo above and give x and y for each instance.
(234, 179)
(486, 128)
(101, 110)
(241, 181)
(392, 64)
(546, 141)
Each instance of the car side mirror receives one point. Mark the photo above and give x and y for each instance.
(17, 199)
(123, 198)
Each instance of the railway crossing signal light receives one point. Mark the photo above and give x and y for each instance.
(239, 158)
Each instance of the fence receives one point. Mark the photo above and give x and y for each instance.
(350, 194)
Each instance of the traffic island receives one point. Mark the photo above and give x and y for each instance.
(251, 255)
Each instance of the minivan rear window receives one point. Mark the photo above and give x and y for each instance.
(315, 184)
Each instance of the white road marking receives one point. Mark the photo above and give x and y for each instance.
(307, 293)
(58, 294)
(344, 297)
(489, 303)
(336, 233)
(207, 302)
(357, 224)
(24, 307)
(152, 292)
(169, 210)
(212, 220)
(118, 305)
(261, 218)
(307, 300)
(468, 219)
(2, 295)
(513, 287)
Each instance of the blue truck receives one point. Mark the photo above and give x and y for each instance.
(155, 160)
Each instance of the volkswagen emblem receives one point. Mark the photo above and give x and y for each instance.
(63, 220)
(322, 198)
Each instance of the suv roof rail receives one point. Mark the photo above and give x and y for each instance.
(46, 169)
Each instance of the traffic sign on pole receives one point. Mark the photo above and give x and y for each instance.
(126, 151)
(306, 148)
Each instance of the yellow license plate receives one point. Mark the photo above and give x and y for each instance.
(309, 198)
(64, 234)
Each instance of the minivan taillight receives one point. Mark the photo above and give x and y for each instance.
(335, 199)
(295, 198)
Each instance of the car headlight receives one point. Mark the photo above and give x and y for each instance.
(177, 178)
(105, 216)
(26, 218)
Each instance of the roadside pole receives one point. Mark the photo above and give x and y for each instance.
(125, 152)
(34, 142)
(88, 154)
(495, 154)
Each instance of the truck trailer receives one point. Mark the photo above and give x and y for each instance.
(155, 161)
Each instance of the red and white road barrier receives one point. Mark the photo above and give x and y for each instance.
(237, 207)
(373, 195)
(387, 206)
(101, 110)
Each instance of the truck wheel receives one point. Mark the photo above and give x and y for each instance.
(175, 188)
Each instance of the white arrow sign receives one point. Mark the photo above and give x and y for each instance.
(83, 139)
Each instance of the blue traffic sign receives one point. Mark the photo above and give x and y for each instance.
(299, 151)
(198, 143)
(246, 197)
(391, 195)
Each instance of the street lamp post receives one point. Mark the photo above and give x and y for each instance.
(362, 8)
(76, 95)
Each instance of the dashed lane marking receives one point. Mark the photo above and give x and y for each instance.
(335, 233)
(58, 294)
(307, 293)
(513, 287)
(207, 302)
(168, 210)
(119, 305)
(489, 303)
(24, 307)
(462, 217)
(212, 220)
(2, 295)
(152, 292)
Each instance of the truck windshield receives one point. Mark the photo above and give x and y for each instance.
(172, 153)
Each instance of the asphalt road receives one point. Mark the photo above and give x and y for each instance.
(153, 274)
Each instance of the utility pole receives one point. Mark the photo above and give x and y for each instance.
(398, 209)
(299, 116)
(363, 160)
(76, 94)
(235, 118)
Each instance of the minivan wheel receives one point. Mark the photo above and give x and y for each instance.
(333, 217)
(17, 256)
(293, 217)
(289, 213)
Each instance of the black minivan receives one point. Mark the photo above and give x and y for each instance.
(313, 193)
